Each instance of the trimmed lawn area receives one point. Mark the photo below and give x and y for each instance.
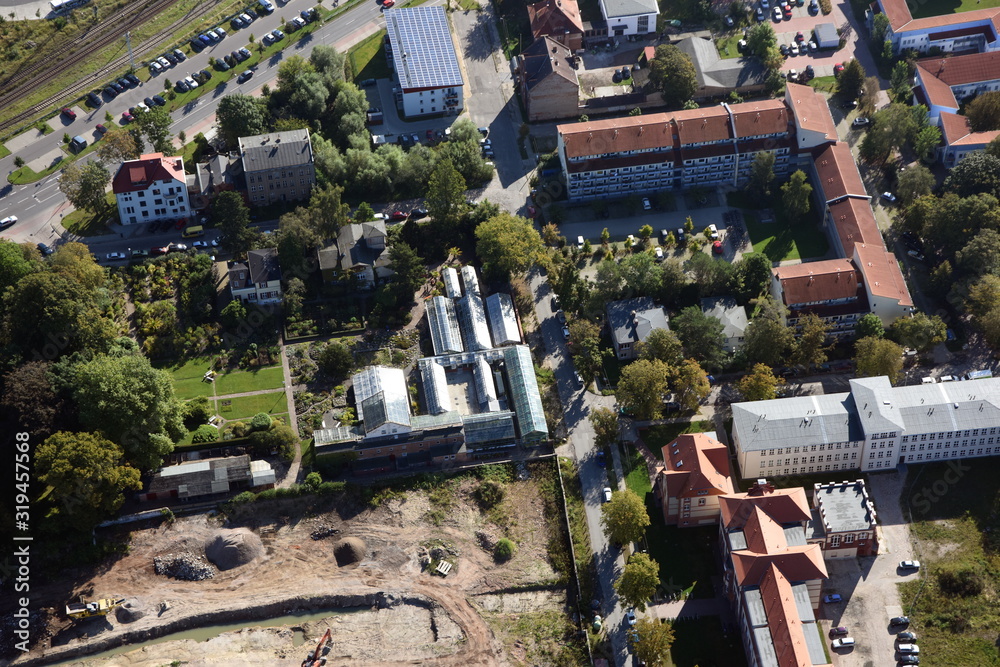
(953, 509)
(781, 240)
(702, 642)
(727, 45)
(927, 8)
(188, 376)
(245, 407)
(826, 83)
(687, 556)
(637, 476)
(368, 60)
(657, 437)
(237, 382)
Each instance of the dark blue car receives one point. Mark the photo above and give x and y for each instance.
(205, 40)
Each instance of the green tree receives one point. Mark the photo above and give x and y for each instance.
(984, 112)
(672, 73)
(796, 195)
(651, 642)
(624, 517)
(761, 174)
(878, 356)
(639, 580)
(811, 348)
(335, 360)
(891, 128)
(605, 423)
(900, 83)
(759, 385)
(234, 221)
(15, 263)
(753, 275)
(915, 182)
(981, 255)
(153, 126)
(989, 324)
(84, 185)
(47, 306)
(924, 144)
(851, 79)
(364, 213)
(233, 314)
(31, 399)
(87, 476)
(868, 101)
(240, 115)
(869, 326)
(919, 332)
(984, 296)
(760, 38)
(767, 340)
(117, 146)
(661, 344)
(644, 233)
(279, 438)
(445, 193)
(205, 433)
(504, 550)
(130, 402)
(701, 336)
(690, 384)
(976, 173)
(642, 386)
(408, 267)
(508, 245)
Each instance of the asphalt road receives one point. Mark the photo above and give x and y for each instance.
(40, 206)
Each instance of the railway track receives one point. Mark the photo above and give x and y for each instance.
(136, 14)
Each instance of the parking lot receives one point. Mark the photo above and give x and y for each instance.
(868, 585)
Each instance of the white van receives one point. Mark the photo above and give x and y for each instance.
(579, 242)
(908, 648)
(846, 642)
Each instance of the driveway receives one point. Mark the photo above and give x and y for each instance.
(869, 585)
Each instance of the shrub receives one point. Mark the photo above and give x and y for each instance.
(260, 422)
(328, 488)
(489, 494)
(961, 581)
(825, 6)
(504, 550)
(313, 480)
(238, 429)
(196, 412)
(205, 433)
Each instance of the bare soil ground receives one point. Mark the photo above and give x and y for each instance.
(431, 621)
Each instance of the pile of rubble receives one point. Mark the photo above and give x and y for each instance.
(184, 566)
(324, 531)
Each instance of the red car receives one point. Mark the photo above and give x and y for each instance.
(398, 215)
(837, 69)
(69, 113)
(386, 4)
(127, 117)
(180, 224)
(799, 38)
(787, 11)
(717, 247)
(100, 128)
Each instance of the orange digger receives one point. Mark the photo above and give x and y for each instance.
(316, 658)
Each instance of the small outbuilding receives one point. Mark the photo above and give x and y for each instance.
(827, 36)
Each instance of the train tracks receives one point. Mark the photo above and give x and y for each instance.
(38, 74)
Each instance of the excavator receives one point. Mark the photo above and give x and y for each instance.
(100, 607)
(315, 658)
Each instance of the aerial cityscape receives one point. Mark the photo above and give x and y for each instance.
(483, 332)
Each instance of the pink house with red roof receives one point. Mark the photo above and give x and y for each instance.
(154, 187)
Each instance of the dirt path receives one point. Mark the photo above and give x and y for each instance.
(295, 468)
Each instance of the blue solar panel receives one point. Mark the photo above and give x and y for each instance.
(422, 51)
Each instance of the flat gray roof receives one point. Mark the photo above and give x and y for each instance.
(615, 8)
(845, 507)
(796, 421)
(422, 51)
(276, 150)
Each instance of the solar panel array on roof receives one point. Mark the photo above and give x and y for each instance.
(472, 317)
(443, 323)
(470, 279)
(524, 391)
(435, 385)
(503, 321)
(485, 388)
(452, 288)
(423, 54)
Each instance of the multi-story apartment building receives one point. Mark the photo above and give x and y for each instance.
(546, 77)
(695, 474)
(278, 166)
(952, 33)
(944, 83)
(958, 139)
(423, 57)
(154, 187)
(681, 149)
(772, 576)
(872, 427)
(843, 520)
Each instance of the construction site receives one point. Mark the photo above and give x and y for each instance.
(407, 576)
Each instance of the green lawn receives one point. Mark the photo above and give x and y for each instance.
(727, 45)
(701, 642)
(953, 512)
(782, 240)
(687, 556)
(237, 382)
(368, 60)
(188, 376)
(637, 475)
(657, 437)
(926, 8)
(825, 83)
(245, 407)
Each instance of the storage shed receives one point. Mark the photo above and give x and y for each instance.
(827, 36)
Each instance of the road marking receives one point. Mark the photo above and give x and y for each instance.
(28, 208)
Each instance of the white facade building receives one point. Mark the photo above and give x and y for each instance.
(423, 56)
(151, 188)
(630, 17)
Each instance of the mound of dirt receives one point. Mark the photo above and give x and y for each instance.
(232, 548)
(349, 551)
(130, 612)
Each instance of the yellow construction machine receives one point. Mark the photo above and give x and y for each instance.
(97, 608)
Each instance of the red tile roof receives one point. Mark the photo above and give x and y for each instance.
(881, 273)
(899, 17)
(810, 110)
(617, 135)
(554, 17)
(855, 223)
(137, 175)
(815, 282)
(956, 131)
(783, 505)
(698, 126)
(787, 631)
(838, 173)
(761, 118)
(936, 91)
(695, 462)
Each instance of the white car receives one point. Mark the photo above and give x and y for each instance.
(155, 68)
(777, 14)
(606, 494)
(579, 242)
(565, 331)
(658, 253)
(630, 617)
(164, 63)
(844, 642)
(713, 232)
(200, 244)
(141, 106)
(912, 649)
(909, 565)
(889, 197)
(189, 80)
(115, 256)
(646, 205)
(631, 240)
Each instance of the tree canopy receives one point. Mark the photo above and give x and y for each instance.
(652, 640)
(508, 245)
(796, 195)
(624, 517)
(760, 384)
(234, 220)
(851, 79)
(638, 581)
(642, 386)
(984, 112)
(701, 336)
(919, 332)
(605, 423)
(878, 356)
(241, 115)
(84, 185)
(672, 73)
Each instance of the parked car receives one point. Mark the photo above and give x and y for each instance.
(909, 659)
(565, 333)
(813, 7)
(298, 22)
(646, 206)
(221, 65)
(179, 55)
(367, 83)
(44, 249)
(833, 598)
(245, 76)
(115, 256)
(839, 631)
(759, 14)
(838, 68)
(132, 79)
(127, 117)
(140, 253)
(889, 197)
(713, 232)
(237, 23)
(601, 458)
(200, 244)
(159, 101)
(9, 221)
(245, 52)
(94, 99)
(909, 637)
(176, 247)
(860, 121)
(119, 88)
(69, 113)
(308, 15)
(908, 648)
(213, 35)
(843, 642)
(278, 35)
(899, 620)
(154, 68)
(810, 72)
(777, 14)
(100, 128)
(418, 213)
(164, 63)
(606, 494)
(386, 4)
(784, 50)
(630, 617)
(397, 215)
(182, 86)
(909, 565)
(717, 247)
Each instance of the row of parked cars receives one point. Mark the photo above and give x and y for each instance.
(166, 61)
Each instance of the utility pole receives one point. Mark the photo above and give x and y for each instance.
(128, 44)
